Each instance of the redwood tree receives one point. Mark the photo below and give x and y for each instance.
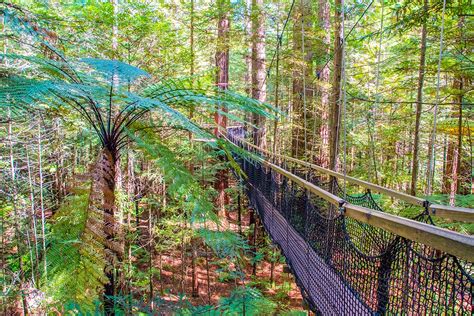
(259, 86)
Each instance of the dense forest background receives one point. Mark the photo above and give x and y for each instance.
(379, 90)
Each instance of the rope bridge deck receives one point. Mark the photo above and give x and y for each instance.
(344, 265)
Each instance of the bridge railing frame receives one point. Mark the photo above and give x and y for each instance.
(459, 245)
(453, 213)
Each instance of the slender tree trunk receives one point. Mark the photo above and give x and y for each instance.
(447, 177)
(459, 145)
(454, 182)
(208, 276)
(59, 173)
(222, 63)
(194, 276)
(222, 58)
(336, 88)
(259, 86)
(194, 273)
(16, 215)
(323, 75)
(253, 238)
(191, 39)
(470, 178)
(43, 218)
(272, 272)
(277, 90)
(182, 282)
(151, 254)
(192, 57)
(32, 205)
(302, 79)
(419, 105)
(248, 54)
(239, 212)
(464, 169)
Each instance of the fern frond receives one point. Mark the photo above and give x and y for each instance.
(247, 300)
(181, 184)
(75, 259)
(24, 24)
(114, 71)
(225, 244)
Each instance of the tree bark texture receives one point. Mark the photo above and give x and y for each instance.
(419, 105)
(259, 86)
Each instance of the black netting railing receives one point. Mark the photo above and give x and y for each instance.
(345, 191)
(346, 267)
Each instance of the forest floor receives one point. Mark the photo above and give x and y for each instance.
(283, 291)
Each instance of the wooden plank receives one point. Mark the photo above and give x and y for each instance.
(462, 214)
(457, 244)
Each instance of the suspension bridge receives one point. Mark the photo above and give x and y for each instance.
(349, 256)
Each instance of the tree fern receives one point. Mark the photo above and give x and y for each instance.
(109, 95)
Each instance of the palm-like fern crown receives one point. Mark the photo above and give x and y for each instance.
(109, 94)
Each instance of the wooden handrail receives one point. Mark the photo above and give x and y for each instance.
(457, 213)
(331, 198)
(459, 245)
(444, 211)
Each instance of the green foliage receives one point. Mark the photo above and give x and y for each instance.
(293, 313)
(182, 186)
(225, 244)
(248, 301)
(76, 263)
(96, 89)
(242, 301)
(119, 72)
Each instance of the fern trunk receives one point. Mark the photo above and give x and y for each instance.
(102, 200)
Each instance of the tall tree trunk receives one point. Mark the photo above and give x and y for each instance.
(248, 54)
(194, 276)
(102, 201)
(32, 205)
(258, 70)
(459, 145)
(419, 105)
(16, 214)
(464, 168)
(336, 88)
(191, 38)
(222, 64)
(277, 90)
(151, 254)
(323, 75)
(222, 59)
(448, 171)
(454, 181)
(302, 79)
(252, 238)
(59, 180)
(41, 195)
(194, 256)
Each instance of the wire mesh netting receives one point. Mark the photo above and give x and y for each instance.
(344, 266)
